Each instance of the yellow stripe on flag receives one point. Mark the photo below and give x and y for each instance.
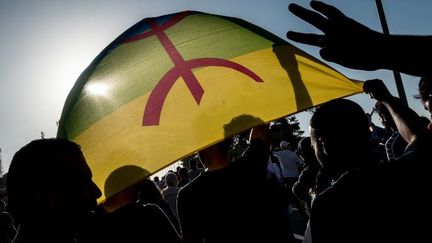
(119, 139)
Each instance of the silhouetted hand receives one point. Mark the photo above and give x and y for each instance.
(377, 89)
(345, 41)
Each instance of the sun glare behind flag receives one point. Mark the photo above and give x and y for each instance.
(166, 87)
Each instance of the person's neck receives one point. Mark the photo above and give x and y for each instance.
(363, 160)
(217, 164)
(117, 202)
(47, 233)
(122, 198)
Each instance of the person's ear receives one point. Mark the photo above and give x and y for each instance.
(323, 145)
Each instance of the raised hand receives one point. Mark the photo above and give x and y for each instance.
(353, 45)
(345, 41)
(377, 89)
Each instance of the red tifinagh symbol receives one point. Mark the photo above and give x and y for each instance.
(181, 68)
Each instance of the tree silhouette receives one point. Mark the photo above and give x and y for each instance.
(286, 129)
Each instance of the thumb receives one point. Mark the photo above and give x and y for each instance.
(326, 54)
(368, 85)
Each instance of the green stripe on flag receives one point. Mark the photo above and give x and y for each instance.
(211, 37)
(133, 69)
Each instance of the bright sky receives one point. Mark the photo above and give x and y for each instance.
(46, 44)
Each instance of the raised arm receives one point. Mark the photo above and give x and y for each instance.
(407, 121)
(353, 45)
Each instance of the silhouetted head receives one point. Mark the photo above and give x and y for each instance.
(284, 145)
(50, 181)
(171, 179)
(149, 192)
(240, 124)
(425, 92)
(124, 178)
(123, 186)
(183, 173)
(306, 152)
(339, 131)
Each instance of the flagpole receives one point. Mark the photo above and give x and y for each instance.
(1, 164)
(397, 76)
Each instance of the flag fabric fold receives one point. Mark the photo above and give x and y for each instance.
(166, 87)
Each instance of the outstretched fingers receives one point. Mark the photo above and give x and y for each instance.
(309, 16)
(327, 10)
(310, 39)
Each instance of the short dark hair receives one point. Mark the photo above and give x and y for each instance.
(380, 108)
(32, 169)
(385, 114)
(306, 151)
(425, 87)
(183, 172)
(336, 117)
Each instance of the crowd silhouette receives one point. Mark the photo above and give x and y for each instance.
(336, 180)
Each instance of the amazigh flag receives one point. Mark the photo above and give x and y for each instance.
(166, 87)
